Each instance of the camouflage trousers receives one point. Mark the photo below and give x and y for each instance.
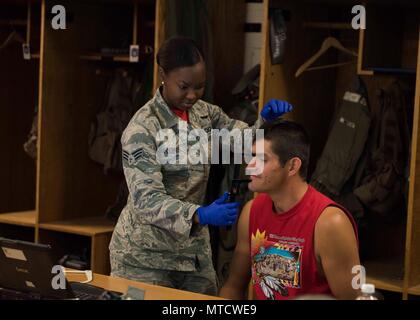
(203, 280)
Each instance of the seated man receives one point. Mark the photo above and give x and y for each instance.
(292, 239)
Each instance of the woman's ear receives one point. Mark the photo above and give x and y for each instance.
(162, 74)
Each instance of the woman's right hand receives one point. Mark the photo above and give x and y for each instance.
(219, 213)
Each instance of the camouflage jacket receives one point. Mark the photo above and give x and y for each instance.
(155, 229)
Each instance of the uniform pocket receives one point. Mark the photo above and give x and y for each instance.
(151, 238)
(175, 179)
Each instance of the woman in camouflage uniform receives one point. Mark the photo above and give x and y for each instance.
(162, 236)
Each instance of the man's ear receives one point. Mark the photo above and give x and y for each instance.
(294, 166)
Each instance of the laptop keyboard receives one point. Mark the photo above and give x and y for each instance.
(6, 294)
(81, 291)
(85, 291)
(16, 295)
(85, 296)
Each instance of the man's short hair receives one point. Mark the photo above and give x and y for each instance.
(288, 140)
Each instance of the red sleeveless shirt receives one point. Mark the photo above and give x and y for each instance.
(282, 247)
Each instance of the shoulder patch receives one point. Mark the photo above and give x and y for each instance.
(134, 156)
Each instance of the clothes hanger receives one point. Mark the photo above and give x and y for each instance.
(328, 43)
(13, 36)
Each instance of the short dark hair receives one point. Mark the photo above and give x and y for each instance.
(288, 140)
(178, 52)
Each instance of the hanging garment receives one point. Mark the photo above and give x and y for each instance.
(30, 146)
(384, 184)
(124, 95)
(106, 130)
(277, 36)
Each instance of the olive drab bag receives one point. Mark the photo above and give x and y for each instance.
(384, 185)
(346, 142)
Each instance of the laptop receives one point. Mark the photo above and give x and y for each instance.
(26, 272)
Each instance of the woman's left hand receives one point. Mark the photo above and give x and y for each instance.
(274, 109)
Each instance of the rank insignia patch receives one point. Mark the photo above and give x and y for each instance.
(134, 156)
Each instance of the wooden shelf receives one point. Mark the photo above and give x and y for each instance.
(385, 275)
(13, 22)
(23, 218)
(328, 25)
(99, 57)
(414, 290)
(90, 226)
(391, 71)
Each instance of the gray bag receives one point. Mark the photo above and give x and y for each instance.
(346, 142)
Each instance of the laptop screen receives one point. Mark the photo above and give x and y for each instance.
(28, 267)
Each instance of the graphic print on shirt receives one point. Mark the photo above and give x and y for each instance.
(276, 265)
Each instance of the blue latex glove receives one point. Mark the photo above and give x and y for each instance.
(219, 213)
(274, 109)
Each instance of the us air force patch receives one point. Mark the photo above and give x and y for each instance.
(134, 156)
